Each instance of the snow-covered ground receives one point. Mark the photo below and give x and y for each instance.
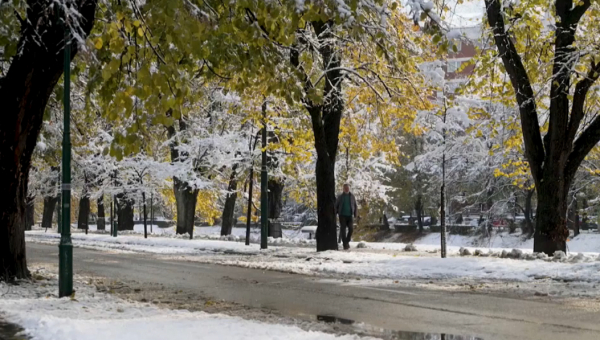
(214, 232)
(585, 242)
(376, 261)
(90, 315)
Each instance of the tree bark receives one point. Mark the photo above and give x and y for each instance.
(24, 93)
(528, 213)
(124, 212)
(185, 198)
(83, 219)
(49, 206)
(326, 234)
(145, 216)
(551, 225)
(59, 213)
(30, 218)
(576, 217)
(275, 195)
(101, 223)
(228, 219)
(419, 211)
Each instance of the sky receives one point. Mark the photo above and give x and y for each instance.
(467, 14)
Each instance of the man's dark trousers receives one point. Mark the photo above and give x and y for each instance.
(346, 222)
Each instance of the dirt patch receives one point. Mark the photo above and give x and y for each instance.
(391, 236)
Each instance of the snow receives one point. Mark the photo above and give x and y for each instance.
(203, 232)
(585, 242)
(309, 229)
(427, 6)
(93, 315)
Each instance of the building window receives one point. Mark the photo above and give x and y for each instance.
(453, 66)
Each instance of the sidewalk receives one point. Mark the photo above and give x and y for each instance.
(92, 315)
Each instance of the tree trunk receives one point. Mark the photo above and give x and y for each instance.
(554, 158)
(228, 219)
(326, 227)
(275, 188)
(84, 213)
(550, 219)
(185, 199)
(30, 218)
(24, 93)
(275, 197)
(443, 221)
(49, 206)
(13, 262)
(124, 212)
(528, 213)
(275, 201)
(249, 212)
(101, 223)
(145, 216)
(325, 119)
(419, 210)
(185, 196)
(59, 213)
(576, 216)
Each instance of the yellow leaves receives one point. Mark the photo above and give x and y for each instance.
(140, 32)
(98, 44)
(137, 23)
(207, 204)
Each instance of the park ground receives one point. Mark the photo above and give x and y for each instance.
(375, 290)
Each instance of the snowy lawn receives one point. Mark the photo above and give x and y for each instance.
(290, 236)
(586, 242)
(93, 315)
(371, 262)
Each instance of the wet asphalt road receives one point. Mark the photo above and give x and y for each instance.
(391, 308)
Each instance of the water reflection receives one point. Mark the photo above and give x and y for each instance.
(9, 331)
(390, 334)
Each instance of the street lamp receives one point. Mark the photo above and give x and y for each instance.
(65, 248)
(264, 198)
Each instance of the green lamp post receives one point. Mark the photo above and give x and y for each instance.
(264, 195)
(65, 248)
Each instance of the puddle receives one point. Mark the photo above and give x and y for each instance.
(333, 319)
(9, 331)
(366, 329)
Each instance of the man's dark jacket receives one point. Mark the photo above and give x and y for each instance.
(339, 202)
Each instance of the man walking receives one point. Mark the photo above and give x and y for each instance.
(345, 207)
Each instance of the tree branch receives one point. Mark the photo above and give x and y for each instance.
(534, 148)
(582, 146)
(581, 90)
